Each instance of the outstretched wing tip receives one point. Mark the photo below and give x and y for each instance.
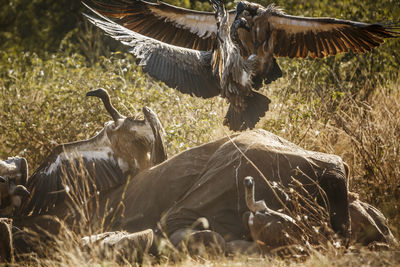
(302, 37)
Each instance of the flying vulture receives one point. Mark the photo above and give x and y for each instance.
(219, 71)
(165, 39)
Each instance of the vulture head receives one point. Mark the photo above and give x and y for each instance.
(221, 17)
(246, 8)
(249, 188)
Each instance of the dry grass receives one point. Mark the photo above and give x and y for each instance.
(340, 105)
(66, 250)
(364, 132)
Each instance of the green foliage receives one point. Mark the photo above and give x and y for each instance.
(37, 25)
(40, 25)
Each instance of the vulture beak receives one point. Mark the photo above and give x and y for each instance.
(238, 24)
(243, 24)
(2, 179)
(91, 93)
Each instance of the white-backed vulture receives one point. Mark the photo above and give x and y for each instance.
(125, 146)
(268, 228)
(207, 73)
(278, 34)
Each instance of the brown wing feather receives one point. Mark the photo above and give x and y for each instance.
(185, 69)
(78, 164)
(170, 24)
(320, 37)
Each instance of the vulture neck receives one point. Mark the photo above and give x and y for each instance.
(111, 110)
(254, 206)
(227, 55)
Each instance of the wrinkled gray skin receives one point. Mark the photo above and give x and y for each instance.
(218, 195)
(205, 182)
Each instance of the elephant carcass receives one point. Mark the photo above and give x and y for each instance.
(155, 190)
(205, 181)
(218, 196)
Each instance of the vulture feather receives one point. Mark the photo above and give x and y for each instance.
(124, 147)
(74, 161)
(299, 37)
(164, 22)
(279, 34)
(220, 71)
(180, 47)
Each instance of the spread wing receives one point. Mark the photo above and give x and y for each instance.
(86, 165)
(186, 69)
(167, 23)
(294, 36)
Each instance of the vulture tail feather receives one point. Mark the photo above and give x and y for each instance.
(257, 105)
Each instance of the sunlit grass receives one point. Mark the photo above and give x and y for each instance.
(334, 106)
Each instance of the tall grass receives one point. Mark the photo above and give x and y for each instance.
(360, 124)
(346, 105)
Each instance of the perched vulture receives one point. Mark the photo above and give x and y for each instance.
(140, 24)
(220, 71)
(124, 147)
(268, 228)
